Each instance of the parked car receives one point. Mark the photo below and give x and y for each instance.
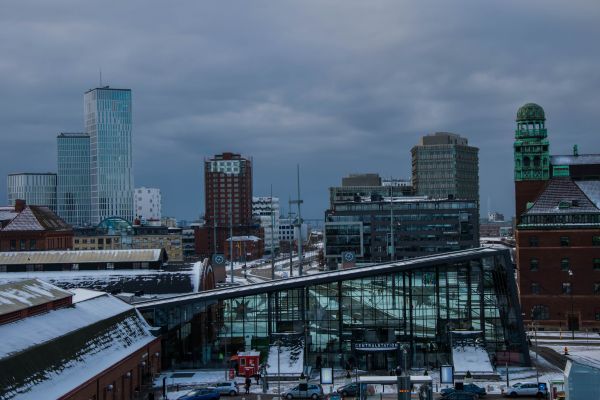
(467, 387)
(313, 392)
(350, 389)
(205, 393)
(229, 388)
(460, 395)
(527, 389)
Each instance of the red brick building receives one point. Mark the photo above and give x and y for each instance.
(244, 248)
(228, 203)
(558, 229)
(27, 228)
(57, 345)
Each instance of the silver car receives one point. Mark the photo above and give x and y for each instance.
(313, 392)
(229, 388)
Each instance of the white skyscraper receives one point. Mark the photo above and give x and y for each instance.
(148, 204)
(108, 123)
(266, 210)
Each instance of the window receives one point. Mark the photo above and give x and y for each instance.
(566, 288)
(13, 244)
(597, 288)
(597, 315)
(564, 264)
(596, 264)
(595, 240)
(535, 288)
(22, 244)
(564, 241)
(534, 264)
(533, 241)
(32, 244)
(540, 312)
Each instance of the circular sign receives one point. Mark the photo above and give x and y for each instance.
(219, 259)
(348, 256)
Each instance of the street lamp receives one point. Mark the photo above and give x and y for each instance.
(278, 343)
(572, 319)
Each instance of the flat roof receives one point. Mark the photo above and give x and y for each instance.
(327, 277)
(78, 256)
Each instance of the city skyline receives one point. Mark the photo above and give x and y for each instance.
(352, 94)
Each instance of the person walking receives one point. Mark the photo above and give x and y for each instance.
(247, 385)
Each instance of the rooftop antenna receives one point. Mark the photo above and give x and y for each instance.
(100, 77)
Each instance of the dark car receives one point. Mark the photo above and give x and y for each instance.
(350, 389)
(460, 395)
(468, 387)
(201, 394)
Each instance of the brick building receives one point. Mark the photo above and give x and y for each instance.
(228, 203)
(558, 229)
(92, 345)
(25, 227)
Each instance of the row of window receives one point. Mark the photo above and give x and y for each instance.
(564, 241)
(566, 288)
(542, 312)
(565, 264)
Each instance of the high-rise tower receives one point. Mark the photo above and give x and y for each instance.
(532, 161)
(108, 123)
(73, 178)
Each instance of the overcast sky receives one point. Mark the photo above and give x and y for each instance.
(336, 86)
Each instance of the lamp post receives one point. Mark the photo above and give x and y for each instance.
(278, 343)
(572, 319)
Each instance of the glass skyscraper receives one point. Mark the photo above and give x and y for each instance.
(108, 123)
(36, 189)
(73, 183)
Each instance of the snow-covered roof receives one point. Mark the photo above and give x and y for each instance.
(250, 238)
(80, 294)
(36, 218)
(79, 256)
(251, 353)
(65, 348)
(15, 296)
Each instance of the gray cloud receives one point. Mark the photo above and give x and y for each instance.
(337, 86)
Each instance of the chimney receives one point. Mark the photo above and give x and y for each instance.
(19, 205)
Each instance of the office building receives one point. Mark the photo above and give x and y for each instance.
(73, 178)
(557, 200)
(357, 186)
(108, 123)
(445, 166)
(148, 204)
(36, 189)
(266, 211)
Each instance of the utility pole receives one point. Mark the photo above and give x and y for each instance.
(272, 237)
(231, 233)
(214, 224)
(291, 238)
(298, 201)
(392, 244)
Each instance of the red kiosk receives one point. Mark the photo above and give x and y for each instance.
(247, 362)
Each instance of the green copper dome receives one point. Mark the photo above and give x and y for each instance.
(531, 112)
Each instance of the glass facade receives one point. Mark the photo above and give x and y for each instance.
(35, 189)
(350, 320)
(73, 181)
(108, 123)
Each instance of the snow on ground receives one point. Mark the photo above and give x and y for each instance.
(471, 358)
(285, 360)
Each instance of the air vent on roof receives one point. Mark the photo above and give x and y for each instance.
(563, 204)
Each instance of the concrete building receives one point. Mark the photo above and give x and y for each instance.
(148, 204)
(24, 227)
(73, 186)
(557, 200)
(266, 211)
(108, 123)
(288, 231)
(361, 180)
(445, 166)
(37, 189)
(81, 345)
(367, 185)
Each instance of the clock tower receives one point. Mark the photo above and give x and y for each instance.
(532, 160)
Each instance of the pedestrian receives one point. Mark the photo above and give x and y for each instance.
(257, 377)
(247, 385)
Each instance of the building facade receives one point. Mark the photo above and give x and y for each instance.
(387, 228)
(36, 189)
(73, 178)
(557, 200)
(228, 203)
(108, 123)
(148, 204)
(266, 211)
(445, 166)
